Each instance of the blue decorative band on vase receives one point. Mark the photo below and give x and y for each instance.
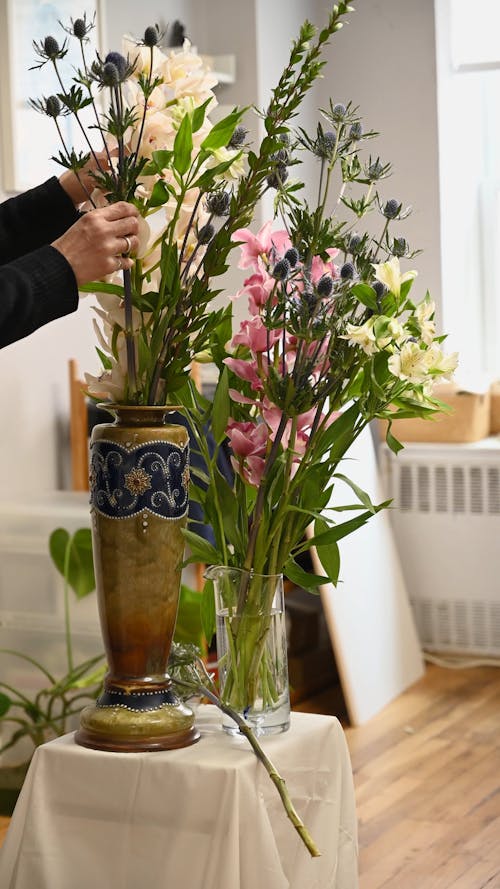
(152, 476)
(138, 700)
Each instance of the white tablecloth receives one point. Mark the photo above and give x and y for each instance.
(205, 817)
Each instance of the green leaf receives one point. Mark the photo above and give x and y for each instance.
(188, 628)
(77, 552)
(328, 554)
(208, 611)
(5, 704)
(105, 359)
(201, 549)
(360, 494)
(302, 578)
(221, 133)
(183, 146)
(392, 442)
(160, 194)
(199, 115)
(366, 295)
(339, 435)
(101, 287)
(221, 407)
(162, 159)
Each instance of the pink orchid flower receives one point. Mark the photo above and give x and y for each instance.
(247, 438)
(245, 370)
(255, 335)
(255, 246)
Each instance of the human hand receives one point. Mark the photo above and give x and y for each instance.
(79, 188)
(99, 243)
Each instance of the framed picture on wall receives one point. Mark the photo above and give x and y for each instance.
(29, 139)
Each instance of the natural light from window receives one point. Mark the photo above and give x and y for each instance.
(468, 80)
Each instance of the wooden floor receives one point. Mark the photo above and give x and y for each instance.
(427, 777)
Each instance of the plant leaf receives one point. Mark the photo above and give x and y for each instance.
(80, 573)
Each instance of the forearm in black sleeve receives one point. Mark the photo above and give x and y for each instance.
(34, 290)
(34, 218)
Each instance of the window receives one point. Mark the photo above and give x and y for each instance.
(468, 81)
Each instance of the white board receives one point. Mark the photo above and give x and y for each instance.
(368, 614)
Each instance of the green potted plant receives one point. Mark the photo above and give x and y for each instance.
(47, 712)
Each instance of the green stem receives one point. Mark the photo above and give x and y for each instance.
(278, 781)
(67, 620)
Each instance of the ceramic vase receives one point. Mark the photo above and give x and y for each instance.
(139, 474)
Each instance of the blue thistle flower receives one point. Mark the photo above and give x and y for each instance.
(292, 256)
(206, 233)
(347, 271)
(217, 203)
(325, 144)
(356, 130)
(51, 47)
(281, 270)
(110, 74)
(391, 209)
(238, 137)
(80, 29)
(278, 177)
(325, 285)
(151, 36)
(120, 63)
(339, 111)
(399, 247)
(53, 107)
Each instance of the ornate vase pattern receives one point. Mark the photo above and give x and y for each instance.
(139, 481)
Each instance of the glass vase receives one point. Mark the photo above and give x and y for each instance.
(252, 648)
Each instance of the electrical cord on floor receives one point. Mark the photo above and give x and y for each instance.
(459, 663)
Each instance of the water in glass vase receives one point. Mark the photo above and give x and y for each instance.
(252, 649)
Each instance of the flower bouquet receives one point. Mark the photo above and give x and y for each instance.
(333, 339)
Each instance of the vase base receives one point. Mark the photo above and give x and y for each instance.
(272, 722)
(116, 729)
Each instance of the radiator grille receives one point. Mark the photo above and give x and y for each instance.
(458, 625)
(473, 490)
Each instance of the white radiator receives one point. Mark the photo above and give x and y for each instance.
(446, 521)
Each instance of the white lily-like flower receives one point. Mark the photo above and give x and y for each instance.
(362, 335)
(389, 274)
(424, 313)
(410, 363)
(439, 363)
(388, 330)
(223, 155)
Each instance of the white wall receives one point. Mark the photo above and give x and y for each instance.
(384, 61)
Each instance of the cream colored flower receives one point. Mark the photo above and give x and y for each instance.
(362, 335)
(439, 363)
(221, 156)
(410, 363)
(388, 330)
(159, 132)
(424, 313)
(141, 55)
(184, 74)
(389, 274)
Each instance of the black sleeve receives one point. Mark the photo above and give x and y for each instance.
(34, 290)
(37, 284)
(35, 218)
